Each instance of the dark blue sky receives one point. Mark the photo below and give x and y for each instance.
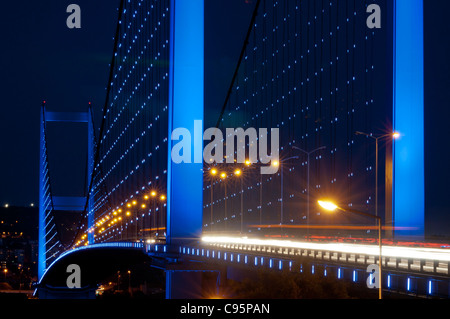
(40, 58)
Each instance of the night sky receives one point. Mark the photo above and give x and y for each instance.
(41, 59)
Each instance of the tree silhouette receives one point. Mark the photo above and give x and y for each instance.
(269, 284)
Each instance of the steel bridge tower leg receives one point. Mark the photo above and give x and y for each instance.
(186, 99)
(90, 169)
(62, 203)
(41, 227)
(408, 102)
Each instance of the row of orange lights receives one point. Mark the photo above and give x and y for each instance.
(115, 218)
(238, 172)
(214, 172)
(223, 175)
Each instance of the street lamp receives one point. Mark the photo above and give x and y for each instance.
(223, 175)
(213, 173)
(129, 281)
(307, 182)
(153, 195)
(394, 135)
(238, 173)
(248, 163)
(162, 217)
(142, 222)
(145, 217)
(330, 206)
(280, 164)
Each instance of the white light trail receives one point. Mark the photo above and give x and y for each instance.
(387, 251)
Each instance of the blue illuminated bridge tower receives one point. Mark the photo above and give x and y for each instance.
(312, 69)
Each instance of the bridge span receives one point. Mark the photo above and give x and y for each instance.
(414, 271)
(313, 93)
(418, 271)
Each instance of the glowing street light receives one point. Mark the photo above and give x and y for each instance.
(129, 281)
(248, 163)
(142, 221)
(223, 175)
(162, 215)
(213, 173)
(395, 135)
(280, 164)
(153, 195)
(332, 207)
(328, 206)
(238, 173)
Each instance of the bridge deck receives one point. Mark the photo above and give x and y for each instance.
(414, 260)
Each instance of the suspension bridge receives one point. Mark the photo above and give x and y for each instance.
(335, 90)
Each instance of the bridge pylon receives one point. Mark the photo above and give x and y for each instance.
(49, 244)
(186, 107)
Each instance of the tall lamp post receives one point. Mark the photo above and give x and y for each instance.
(143, 206)
(153, 194)
(144, 218)
(162, 218)
(330, 206)
(281, 164)
(307, 182)
(238, 173)
(135, 219)
(223, 175)
(213, 173)
(394, 136)
(248, 163)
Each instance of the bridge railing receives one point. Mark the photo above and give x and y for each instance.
(396, 258)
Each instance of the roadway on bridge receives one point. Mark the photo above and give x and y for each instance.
(438, 254)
